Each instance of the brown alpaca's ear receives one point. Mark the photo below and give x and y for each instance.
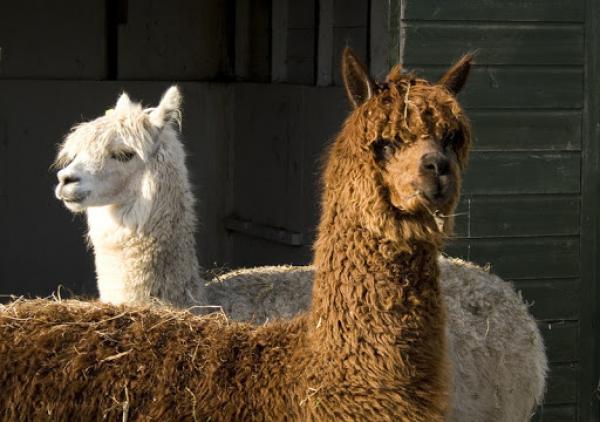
(456, 76)
(357, 82)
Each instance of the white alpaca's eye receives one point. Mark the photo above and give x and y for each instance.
(122, 156)
(63, 161)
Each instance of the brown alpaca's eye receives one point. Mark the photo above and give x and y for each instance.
(122, 156)
(384, 150)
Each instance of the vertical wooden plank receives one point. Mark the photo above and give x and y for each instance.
(4, 176)
(350, 29)
(253, 40)
(397, 31)
(590, 222)
(242, 39)
(111, 25)
(175, 40)
(301, 56)
(279, 40)
(207, 136)
(378, 38)
(325, 43)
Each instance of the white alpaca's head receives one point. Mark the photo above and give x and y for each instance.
(103, 161)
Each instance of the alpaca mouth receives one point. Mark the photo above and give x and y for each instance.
(74, 200)
(71, 197)
(437, 196)
(77, 198)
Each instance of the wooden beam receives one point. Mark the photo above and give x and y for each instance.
(242, 39)
(397, 31)
(379, 38)
(589, 377)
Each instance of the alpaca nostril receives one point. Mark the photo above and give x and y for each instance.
(435, 164)
(69, 179)
(431, 167)
(443, 167)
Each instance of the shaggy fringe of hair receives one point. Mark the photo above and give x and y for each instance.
(131, 126)
(405, 107)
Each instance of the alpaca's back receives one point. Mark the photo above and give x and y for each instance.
(73, 360)
(497, 353)
(262, 293)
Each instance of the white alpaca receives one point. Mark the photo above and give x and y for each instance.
(127, 171)
(131, 179)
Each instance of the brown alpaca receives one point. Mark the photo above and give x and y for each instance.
(371, 348)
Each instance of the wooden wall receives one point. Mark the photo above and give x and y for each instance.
(522, 193)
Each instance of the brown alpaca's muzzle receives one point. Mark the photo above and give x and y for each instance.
(438, 185)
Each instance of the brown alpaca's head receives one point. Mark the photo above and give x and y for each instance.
(414, 133)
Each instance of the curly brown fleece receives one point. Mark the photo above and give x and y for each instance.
(371, 348)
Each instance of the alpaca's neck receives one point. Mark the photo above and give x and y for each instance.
(371, 278)
(378, 307)
(145, 248)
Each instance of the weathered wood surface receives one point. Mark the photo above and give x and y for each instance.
(301, 41)
(497, 10)
(526, 129)
(492, 173)
(522, 199)
(561, 339)
(522, 258)
(496, 43)
(510, 87)
(173, 40)
(325, 43)
(562, 384)
(556, 413)
(552, 299)
(253, 36)
(63, 39)
(517, 216)
(589, 377)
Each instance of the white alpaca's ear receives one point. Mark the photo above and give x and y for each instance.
(123, 103)
(168, 110)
